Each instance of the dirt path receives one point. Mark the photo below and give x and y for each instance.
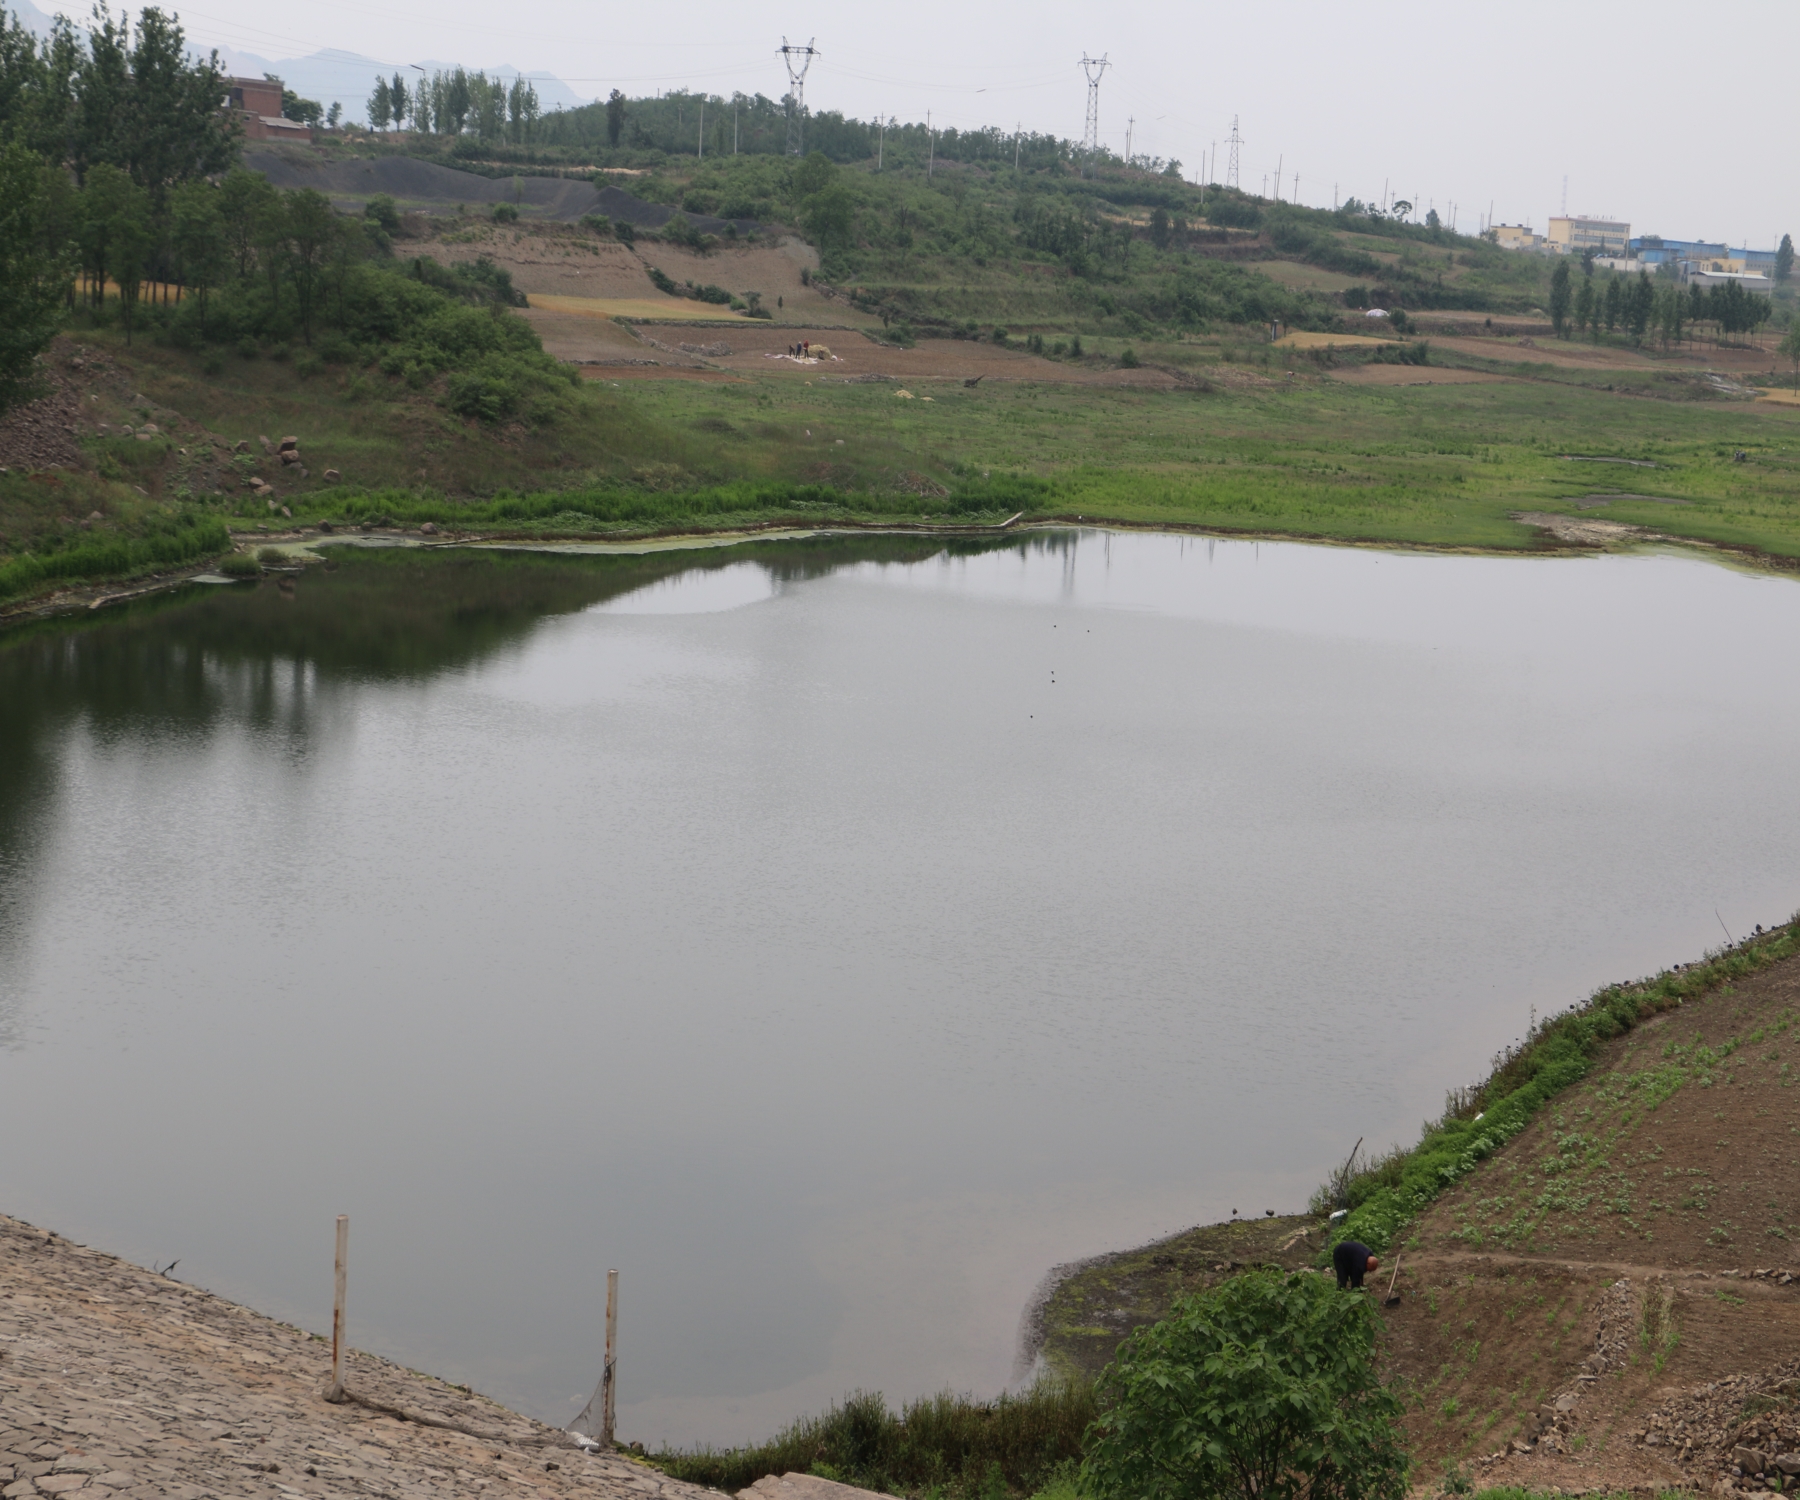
(115, 1381)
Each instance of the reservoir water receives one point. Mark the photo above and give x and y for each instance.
(832, 935)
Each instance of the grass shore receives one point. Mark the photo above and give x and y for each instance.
(1234, 451)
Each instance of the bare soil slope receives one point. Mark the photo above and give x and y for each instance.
(1612, 1301)
(1634, 1246)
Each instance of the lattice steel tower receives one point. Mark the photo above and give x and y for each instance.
(1231, 164)
(798, 60)
(1095, 69)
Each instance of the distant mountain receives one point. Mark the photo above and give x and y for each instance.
(333, 75)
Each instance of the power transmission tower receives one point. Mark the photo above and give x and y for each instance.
(1231, 162)
(1095, 70)
(798, 60)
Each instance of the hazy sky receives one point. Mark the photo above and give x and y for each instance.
(1455, 103)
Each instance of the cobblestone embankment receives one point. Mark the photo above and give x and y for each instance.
(120, 1384)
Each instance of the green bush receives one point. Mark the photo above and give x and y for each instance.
(383, 213)
(506, 213)
(1262, 1388)
(1128, 359)
(240, 565)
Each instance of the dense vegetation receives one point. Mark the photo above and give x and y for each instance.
(119, 203)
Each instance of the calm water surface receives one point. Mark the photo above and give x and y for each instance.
(833, 936)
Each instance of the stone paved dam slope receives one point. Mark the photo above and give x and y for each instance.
(117, 1382)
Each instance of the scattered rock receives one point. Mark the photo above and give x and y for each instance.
(242, 445)
(267, 446)
(288, 444)
(429, 529)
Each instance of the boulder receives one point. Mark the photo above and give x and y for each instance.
(429, 529)
(333, 475)
(242, 445)
(289, 443)
(267, 446)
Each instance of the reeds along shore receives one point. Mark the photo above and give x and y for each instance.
(1017, 1444)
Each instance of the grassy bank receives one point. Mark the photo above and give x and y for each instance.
(1238, 448)
(1385, 1196)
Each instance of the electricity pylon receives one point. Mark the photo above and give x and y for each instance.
(798, 60)
(1095, 69)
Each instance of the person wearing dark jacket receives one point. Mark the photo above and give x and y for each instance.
(1352, 1262)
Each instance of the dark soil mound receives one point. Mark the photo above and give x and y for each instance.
(428, 186)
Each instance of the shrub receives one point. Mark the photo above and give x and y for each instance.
(484, 395)
(505, 213)
(624, 231)
(1128, 359)
(1263, 1388)
(1075, 347)
(271, 557)
(241, 565)
(1402, 354)
(663, 282)
(383, 213)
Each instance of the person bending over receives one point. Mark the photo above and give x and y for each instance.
(1352, 1262)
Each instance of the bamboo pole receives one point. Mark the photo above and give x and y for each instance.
(335, 1391)
(609, 1382)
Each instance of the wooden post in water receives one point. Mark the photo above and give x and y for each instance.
(335, 1391)
(609, 1373)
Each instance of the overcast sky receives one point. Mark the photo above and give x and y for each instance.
(1676, 117)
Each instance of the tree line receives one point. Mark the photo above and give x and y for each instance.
(456, 102)
(121, 203)
(1636, 306)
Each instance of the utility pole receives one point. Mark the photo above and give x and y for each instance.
(1280, 162)
(1231, 162)
(701, 154)
(734, 127)
(1565, 212)
(931, 160)
(880, 145)
(798, 60)
(1094, 69)
(1130, 125)
(1020, 125)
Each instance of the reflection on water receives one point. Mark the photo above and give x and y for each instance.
(831, 934)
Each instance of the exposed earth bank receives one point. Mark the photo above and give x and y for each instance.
(1611, 1301)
